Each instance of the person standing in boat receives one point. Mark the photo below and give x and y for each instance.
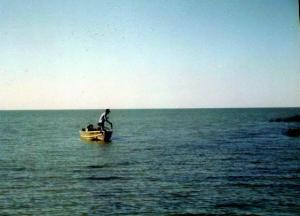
(104, 118)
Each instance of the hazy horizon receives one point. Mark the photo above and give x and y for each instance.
(140, 54)
(145, 108)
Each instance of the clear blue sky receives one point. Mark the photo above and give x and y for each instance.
(149, 54)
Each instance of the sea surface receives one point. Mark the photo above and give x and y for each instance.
(160, 162)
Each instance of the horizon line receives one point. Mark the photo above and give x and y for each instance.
(153, 108)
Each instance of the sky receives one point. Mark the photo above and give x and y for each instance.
(149, 54)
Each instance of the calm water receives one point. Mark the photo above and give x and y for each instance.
(160, 162)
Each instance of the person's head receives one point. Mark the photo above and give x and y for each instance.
(107, 111)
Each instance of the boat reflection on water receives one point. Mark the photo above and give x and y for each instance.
(94, 142)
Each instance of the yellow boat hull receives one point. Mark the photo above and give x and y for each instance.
(96, 135)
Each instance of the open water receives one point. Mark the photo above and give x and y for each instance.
(160, 162)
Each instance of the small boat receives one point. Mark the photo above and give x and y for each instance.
(96, 135)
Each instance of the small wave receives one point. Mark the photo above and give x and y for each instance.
(211, 214)
(106, 178)
(262, 185)
(238, 205)
(192, 214)
(16, 169)
(90, 167)
(124, 163)
(152, 179)
(257, 162)
(231, 158)
(98, 166)
(295, 170)
(291, 177)
(247, 185)
(181, 194)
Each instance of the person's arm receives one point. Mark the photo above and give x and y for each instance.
(111, 125)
